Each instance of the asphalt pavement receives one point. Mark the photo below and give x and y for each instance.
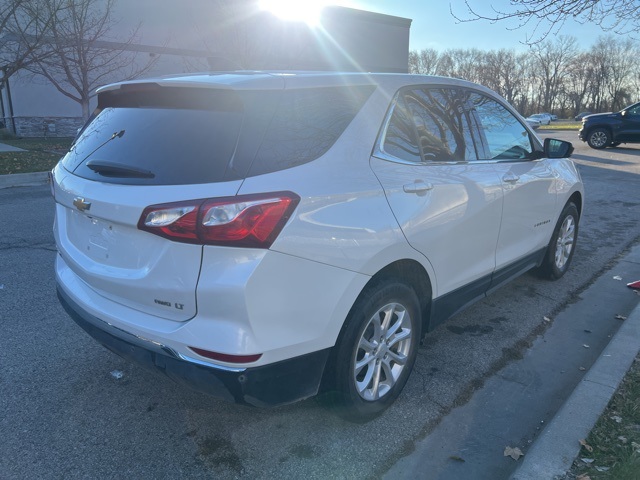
(562, 384)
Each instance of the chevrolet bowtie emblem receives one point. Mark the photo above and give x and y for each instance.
(81, 204)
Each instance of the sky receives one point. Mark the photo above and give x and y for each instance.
(433, 25)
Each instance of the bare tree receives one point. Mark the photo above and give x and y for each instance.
(547, 16)
(12, 54)
(424, 61)
(76, 54)
(461, 63)
(620, 66)
(23, 26)
(507, 73)
(551, 65)
(580, 73)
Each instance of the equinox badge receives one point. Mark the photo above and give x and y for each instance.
(81, 204)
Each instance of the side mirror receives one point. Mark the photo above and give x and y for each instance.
(554, 148)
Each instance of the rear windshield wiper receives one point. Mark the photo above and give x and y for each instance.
(112, 137)
(112, 169)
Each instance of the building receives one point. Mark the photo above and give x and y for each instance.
(215, 36)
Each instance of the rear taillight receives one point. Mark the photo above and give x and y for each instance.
(243, 221)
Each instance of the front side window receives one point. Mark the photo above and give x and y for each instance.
(506, 138)
(430, 124)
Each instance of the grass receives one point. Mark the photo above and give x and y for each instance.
(41, 154)
(614, 442)
(561, 125)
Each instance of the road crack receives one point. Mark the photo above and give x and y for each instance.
(49, 247)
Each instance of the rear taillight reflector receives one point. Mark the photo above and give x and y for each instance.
(242, 221)
(224, 357)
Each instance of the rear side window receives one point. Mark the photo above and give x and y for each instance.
(505, 137)
(306, 123)
(430, 124)
(163, 137)
(401, 138)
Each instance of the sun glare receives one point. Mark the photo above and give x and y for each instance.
(307, 11)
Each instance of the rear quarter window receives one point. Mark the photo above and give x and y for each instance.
(306, 123)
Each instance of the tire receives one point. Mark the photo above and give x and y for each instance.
(376, 351)
(562, 245)
(599, 138)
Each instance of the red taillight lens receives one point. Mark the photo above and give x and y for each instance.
(242, 221)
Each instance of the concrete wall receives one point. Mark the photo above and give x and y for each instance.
(199, 38)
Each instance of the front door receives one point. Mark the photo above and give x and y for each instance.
(528, 184)
(630, 130)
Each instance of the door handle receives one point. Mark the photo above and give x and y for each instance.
(417, 187)
(511, 178)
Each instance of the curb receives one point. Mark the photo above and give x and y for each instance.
(553, 453)
(23, 179)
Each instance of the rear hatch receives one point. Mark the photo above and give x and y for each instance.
(149, 144)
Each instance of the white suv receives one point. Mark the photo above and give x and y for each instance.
(266, 236)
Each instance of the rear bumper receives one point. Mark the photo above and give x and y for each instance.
(266, 386)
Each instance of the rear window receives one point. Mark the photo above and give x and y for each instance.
(176, 136)
(163, 135)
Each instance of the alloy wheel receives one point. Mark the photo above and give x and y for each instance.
(599, 139)
(382, 351)
(565, 241)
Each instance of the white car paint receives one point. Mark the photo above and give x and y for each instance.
(358, 213)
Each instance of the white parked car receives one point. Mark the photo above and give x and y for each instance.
(541, 118)
(264, 237)
(535, 124)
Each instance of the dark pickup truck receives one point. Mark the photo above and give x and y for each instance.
(603, 130)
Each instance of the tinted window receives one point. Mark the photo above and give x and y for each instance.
(307, 122)
(172, 145)
(505, 136)
(401, 139)
(147, 134)
(430, 125)
(634, 110)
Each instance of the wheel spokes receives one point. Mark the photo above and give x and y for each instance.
(565, 241)
(382, 351)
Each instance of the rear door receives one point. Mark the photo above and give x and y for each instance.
(448, 205)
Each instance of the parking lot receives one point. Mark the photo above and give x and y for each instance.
(73, 409)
